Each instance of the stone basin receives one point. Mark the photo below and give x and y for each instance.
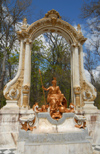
(27, 118)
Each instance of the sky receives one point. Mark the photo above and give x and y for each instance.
(66, 8)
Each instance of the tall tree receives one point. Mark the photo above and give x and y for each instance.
(91, 10)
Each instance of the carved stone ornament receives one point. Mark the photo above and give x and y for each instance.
(27, 122)
(77, 90)
(79, 29)
(75, 44)
(80, 121)
(24, 26)
(14, 92)
(88, 94)
(25, 89)
(28, 41)
(52, 13)
(52, 18)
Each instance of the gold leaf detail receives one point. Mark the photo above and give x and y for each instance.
(52, 13)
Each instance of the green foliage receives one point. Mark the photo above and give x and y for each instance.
(37, 60)
(97, 100)
(2, 100)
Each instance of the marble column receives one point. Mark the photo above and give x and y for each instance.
(21, 53)
(72, 68)
(76, 67)
(27, 74)
(76, 75)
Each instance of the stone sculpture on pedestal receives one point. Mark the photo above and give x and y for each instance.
(54, 127)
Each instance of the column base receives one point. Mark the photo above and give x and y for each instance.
(11, 104)
(89, 106)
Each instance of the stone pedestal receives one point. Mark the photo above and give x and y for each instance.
(89, 107)
(11, 104)
(93, 123)
(9, 125)
(54, 136)
(57, 143)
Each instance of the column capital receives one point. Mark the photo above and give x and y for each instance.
(21, 40)
(28, 41)
(77, 90)
(75, 44)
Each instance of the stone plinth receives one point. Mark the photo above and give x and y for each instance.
(9, 126)
(93, 119)
(54, 136)
(95, 123)
(57, 143)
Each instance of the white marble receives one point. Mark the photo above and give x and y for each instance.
(27, 67)
(55, 143)
(96, 135)
(11, 104)
(21, 149)
(89, 107)
(83, 148)
(9, 126)
(76, 68)
(43, 125)
(6, 140)
(54, 137)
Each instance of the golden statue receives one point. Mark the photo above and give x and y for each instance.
(57, 103)
(56, 100)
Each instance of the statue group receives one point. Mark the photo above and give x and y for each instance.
(56, 102)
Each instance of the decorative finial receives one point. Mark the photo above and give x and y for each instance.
(24, 26)
(52, 13)
(24, 21)
(79, 29)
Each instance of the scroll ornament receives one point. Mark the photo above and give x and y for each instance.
(89, 93)
(14, 92)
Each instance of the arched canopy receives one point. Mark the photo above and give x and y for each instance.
(19, 88)
(52, 22)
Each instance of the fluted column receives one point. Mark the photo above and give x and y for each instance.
(27, 68)
(76, 75)
(21, 53)
(72, 68)
(27, 74)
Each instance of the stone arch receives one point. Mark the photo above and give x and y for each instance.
(18, 89)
